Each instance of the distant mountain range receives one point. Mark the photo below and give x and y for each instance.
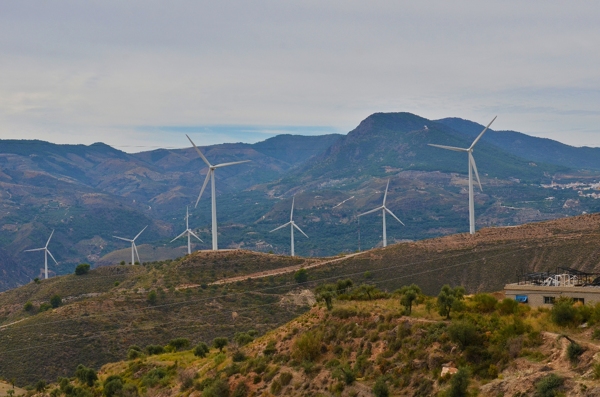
(90, 193)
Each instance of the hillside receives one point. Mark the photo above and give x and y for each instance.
(366, 347)
(111, 308)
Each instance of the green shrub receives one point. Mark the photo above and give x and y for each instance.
(241, 390)
(507, 306)
(449, 299)
(409, 294)
(220, 342)
(563, 313)
(270, 349)
(152, 297)
(285, 378)
(154, 376)
(28, 306)
(307, 347)
(459, 384)
(242, 338)
(179, 343)
(82, 269)
(154, 349)
(85, 375)
(574, 350)
(112, 385)
(380, 389)
(219, 388)
(201, 350)
(301, 276)
(45, 307)
(133, 354)
(238, 356)
(276, 387)
(549, 386)
(55, 301)
(485, 303)
(464, 333)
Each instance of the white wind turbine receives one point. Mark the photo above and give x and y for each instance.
(46, 253)
(384, 209)
(187, 231)
(211, 175)
(472, 168)
(292, 226)
(133, 247)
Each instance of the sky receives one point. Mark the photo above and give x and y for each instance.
(139, 74)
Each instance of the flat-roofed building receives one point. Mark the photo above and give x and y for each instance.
(543, 289)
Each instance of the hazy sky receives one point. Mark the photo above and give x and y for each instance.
(138, 74)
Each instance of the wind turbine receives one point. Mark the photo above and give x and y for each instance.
(133, 247)
(187, 231)
(46, 252)
(211, 175)
(292, 226)
(384, 209)
(472, 167)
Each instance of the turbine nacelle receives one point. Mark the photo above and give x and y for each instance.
(133, 246)
(292, 225)
(384, 209)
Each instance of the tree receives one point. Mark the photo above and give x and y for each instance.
(242, 338)
(459, 383)
(179, 343)
(82, 269)
(343, 286)
(112, 385)
(86, 375)
(301, 276)
(219, 388)
(410, 293)
(152, 297)
(55, 301)
(40, 386)
(449, 299)
(28, 306)
(381, 388)
(326, 293)
(220, 342)
(201, 350)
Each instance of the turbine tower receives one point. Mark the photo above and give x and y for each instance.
(292, 226)
(384, 209)
(46, 253)
(211, 175)
(133, 247)
(187, 231)
(472, 168)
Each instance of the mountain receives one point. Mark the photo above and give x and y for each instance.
(90, 193)
(105, 312)
(536, 149)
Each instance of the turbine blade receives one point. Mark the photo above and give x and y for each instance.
(456, 149)
(300, 230)
(36, 249)
(370, 212)
(182, 234)
(136, 253)
(138, 235)
(233, 163)
(472, 161)
(292, 212)
(193, 234)
(48, 242)
(386, 190)
(395, 217)
(124, 239)
(50, 253)
(282, 226)
(208, 176)
(199, 152)
(481, 134)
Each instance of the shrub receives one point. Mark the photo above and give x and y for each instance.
(40, 386)
(464, 333)
(343, 286)
(326, 293)
(563, 313)
(409, 295)
(276, 387)
(459, 383)
(548, 386)
(82, 269)
(219, 388)
(285, 378)
(307, 347)
(85, 375)
(241, 390)
(152, 297)
(55, 301)
(45, 307)
(28, 306)
(154, 376)
(242, 338)
(220, 342)
(238, 356)
(154, 349)
(596, 334)
(301, 276)
(485, 303)
(201, 350)
(380, 389)
(179, 343)
(270, 349)
(574, 350)
(112, 385)
(132, 354)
